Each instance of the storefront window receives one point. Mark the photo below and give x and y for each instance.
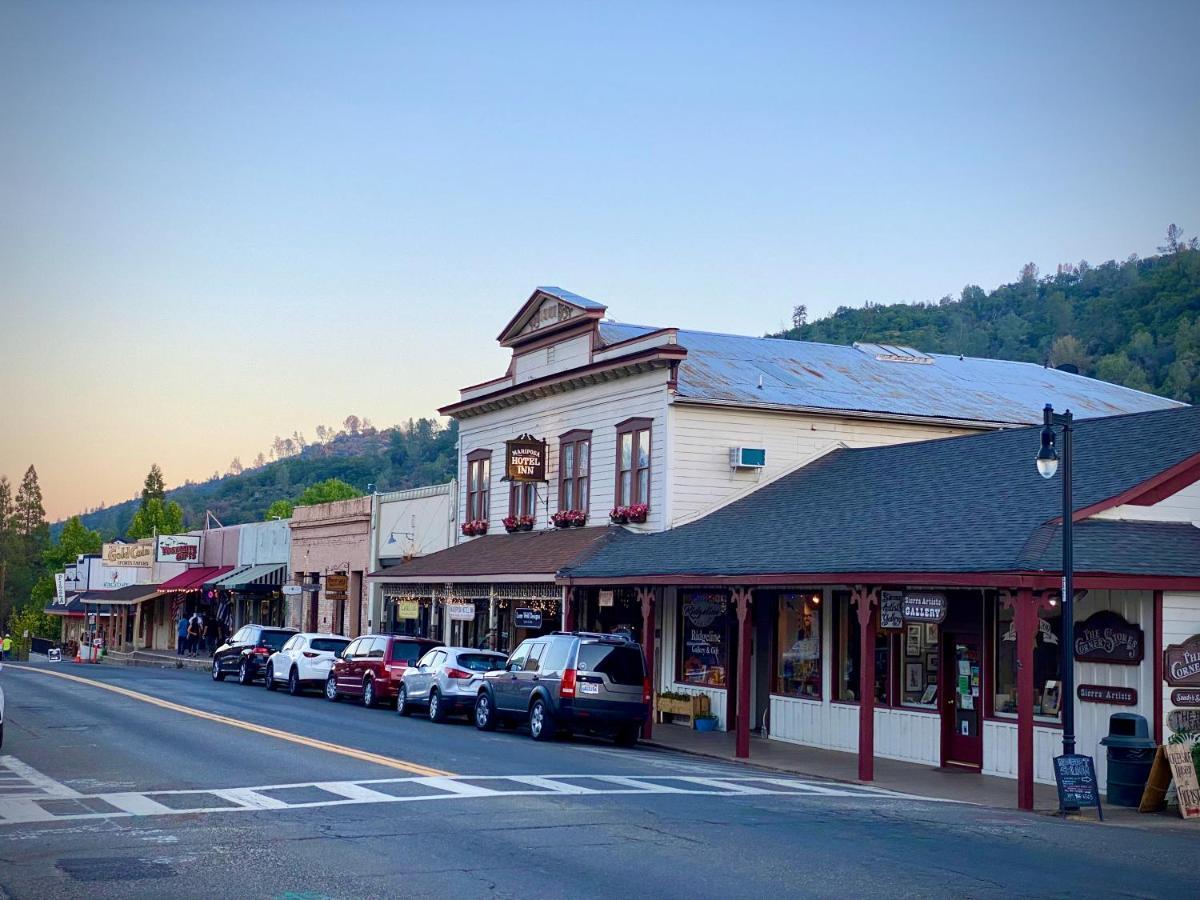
(919, 665)
(798, 665)
(1047, 664)
(705, 635)
(846, 637)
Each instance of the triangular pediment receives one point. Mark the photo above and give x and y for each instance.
(549, 309)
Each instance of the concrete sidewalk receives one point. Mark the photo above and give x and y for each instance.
(156, 659)
(962, 785)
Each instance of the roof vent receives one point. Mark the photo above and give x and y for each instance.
(894, 353)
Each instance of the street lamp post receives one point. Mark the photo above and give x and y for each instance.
(1047, 465)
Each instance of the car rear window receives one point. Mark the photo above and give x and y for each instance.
(621, 663)
(406, 651)
(276, 639)
(330, 645)
(481, 662)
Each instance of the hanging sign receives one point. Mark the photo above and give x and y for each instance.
(1106, 637)
(891, 609)
(525, 459)
(460, 612)
(60, 589)
(291, 590)
(527, 618)
(130, 556)
(1184, 720)
(338, 581)
(1075, 777)
(408, 608)
(1181, 663)
(606, 598)
(924, 606)
(177, 548)
(1185, 698)
(1099, 693)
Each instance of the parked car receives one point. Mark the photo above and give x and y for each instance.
(569, 681)
(245, 653)
(446, 680)
(372, 666)
(303, 661)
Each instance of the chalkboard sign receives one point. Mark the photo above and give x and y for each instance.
(891, 609)
(1075, 776)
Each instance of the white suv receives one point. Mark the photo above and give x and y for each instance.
(304, 661)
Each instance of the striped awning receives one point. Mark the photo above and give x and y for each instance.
(262, 575)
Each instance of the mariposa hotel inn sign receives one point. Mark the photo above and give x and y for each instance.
(525, 459)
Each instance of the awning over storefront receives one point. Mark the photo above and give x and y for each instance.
(73, 607)
(263, 575)
(125, 596)
(193, 579)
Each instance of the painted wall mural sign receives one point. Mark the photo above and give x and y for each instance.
(1111, 694)
(1106, 637)
(178, 548)
(133, 556)
(1184, 697)
(924, 606)
(891, 610)
(1181, 663)
(525, 459)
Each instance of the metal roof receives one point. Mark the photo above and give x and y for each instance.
(574, 299)
(883, 379)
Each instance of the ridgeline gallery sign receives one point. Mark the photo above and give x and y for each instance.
(130, 556)
(178, 548)
(525, 459)
(1181, 663)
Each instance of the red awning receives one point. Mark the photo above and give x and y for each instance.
(192, 579)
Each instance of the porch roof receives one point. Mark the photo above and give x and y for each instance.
(970, 504)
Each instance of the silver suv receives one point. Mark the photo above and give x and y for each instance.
(569, 681)
(445, 681)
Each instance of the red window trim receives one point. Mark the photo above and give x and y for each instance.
(575, 436)
(633, 426)
(482, 495)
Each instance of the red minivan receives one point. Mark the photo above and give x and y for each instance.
(371, 667)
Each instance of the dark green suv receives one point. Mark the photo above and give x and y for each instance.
(569, 681)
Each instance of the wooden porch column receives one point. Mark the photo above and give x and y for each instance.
(646, 598)
(866, 600)
(741, 597)
(1025, 607)
(568, 609)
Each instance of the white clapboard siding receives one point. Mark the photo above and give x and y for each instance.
(597, 407)
(702, 437)
(1180, 620)
(1182, 506)
(1000, 750)
(556, 358)
(900, 734)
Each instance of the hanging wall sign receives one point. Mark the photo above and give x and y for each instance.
(1181, 663)
(525, 459)
(1106, 637)
(408, 608)
(460, 612)
(891, 609)
(606, 598)
(1100, 693)
(1185, 697)
(337, 582)
(924, 606)
(1184, 720)
(135, 556)
(527, 618)
(177, 548)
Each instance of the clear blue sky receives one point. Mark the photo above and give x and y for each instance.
(224, 221)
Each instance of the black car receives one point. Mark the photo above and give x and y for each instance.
(246, 653)
(569, 681)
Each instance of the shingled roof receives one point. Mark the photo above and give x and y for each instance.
(962, 505)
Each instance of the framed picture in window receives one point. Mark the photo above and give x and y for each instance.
(914, 677)
(929, 695)
(1051, 697)
(930, 634)
(931, 663)
(912, 641)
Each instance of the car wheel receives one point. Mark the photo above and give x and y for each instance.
(437, 709)
(244, 676)
(485, 716)
(294, 683)
(541, 723)
(217, 674)
(271, 685)
(331, 691)
(368, 694)
(627, 736)
(403, 707)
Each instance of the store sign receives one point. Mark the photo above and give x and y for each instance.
(1181, 663)
(130, 556)
(924, 606)
(606, 598)
(525, 459)
(527, 618)
(291, 590)
(1075, 777)
(460, 612)
(891, 609)
(337, 582)
(1106, 637)
(1184, 720)
(60, 589)
(1185, 698)
(1099, 693)
(408, 608)
(177, 548)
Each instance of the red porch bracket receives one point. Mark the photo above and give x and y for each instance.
(866, 600)
(1025, 605)
(741, 599)
(646, 597)
(568, 609)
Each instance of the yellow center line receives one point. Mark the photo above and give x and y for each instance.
(361, 755)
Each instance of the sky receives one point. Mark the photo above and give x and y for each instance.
(223, 221)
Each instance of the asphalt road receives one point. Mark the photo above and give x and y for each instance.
(104, 794)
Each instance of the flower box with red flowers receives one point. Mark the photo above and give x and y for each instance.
(513, 524)
(569, 518)
(475, 527)
(620, 515)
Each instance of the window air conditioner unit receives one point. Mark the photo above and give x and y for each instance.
(747, 457)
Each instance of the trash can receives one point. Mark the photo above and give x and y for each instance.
(1130, 756)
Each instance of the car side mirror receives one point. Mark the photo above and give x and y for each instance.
(513, 667)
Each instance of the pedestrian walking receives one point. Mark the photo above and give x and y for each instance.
(181, 647)
(6, 647)
(212, 632)
(195, 629)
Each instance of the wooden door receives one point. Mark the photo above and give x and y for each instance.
(962, 699)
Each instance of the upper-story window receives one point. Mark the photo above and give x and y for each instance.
(633, 462)
(574, 469)
(479, 481)
(522, 499)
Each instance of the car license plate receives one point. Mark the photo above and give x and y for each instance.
(588, 688)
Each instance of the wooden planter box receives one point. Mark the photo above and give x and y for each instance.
(670, 706)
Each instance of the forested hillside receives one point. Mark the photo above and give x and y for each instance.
(417, 453)
(1136, 323)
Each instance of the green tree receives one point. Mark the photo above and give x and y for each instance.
(1120, 369)
(280, 509)
(153, 488)
(156, 517)
(327, 491)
